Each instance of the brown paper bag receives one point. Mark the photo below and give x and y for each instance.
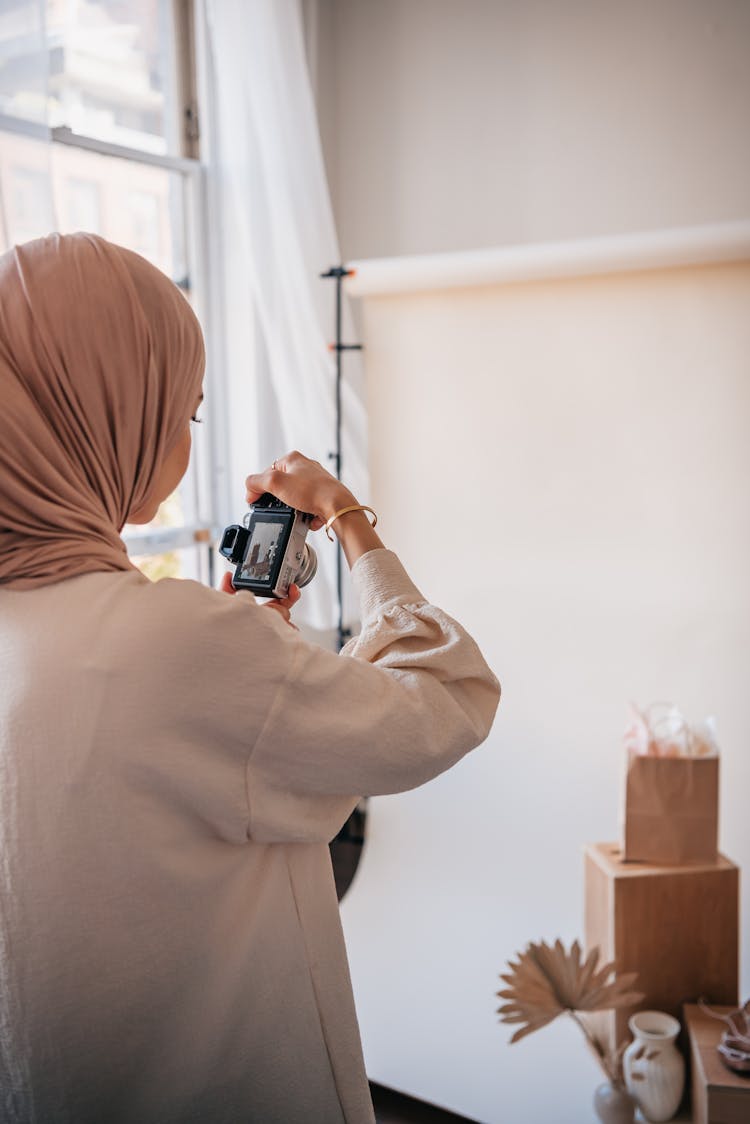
(671, 809)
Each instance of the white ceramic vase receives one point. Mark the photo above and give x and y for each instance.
(653, 1066)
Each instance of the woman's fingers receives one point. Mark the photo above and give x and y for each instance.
(301, 483)
(284, 605)
(271, 480)
(258, 483)
(291, 598)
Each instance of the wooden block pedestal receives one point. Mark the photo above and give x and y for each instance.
(718, 1095)
(677, 926)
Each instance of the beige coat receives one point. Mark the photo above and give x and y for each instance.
(173, 762)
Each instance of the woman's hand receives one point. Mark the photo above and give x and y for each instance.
(307, 486)
(283, 605)
(303, 484)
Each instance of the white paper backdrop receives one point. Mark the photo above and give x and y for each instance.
(563, 465)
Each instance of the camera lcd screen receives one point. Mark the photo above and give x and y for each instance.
(265, 548)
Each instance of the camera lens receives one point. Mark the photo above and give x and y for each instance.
(307, 567)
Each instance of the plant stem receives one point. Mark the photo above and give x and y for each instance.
(600, 1053)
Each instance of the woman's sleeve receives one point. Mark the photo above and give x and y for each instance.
(403, 702)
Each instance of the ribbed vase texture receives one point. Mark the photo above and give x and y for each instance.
(653, 1066)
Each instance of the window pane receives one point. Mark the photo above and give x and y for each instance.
(107, 68)
(112, 71)
(134, 205)
(181, 509)
(191, 562)
(26, 204)
(170, 514)
(58, 187)
(23, 60)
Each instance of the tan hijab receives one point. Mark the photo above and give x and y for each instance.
(101, 362)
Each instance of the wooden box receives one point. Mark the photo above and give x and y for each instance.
(718, 1095)
(677, 926)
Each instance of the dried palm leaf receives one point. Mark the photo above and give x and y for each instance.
(546, 981)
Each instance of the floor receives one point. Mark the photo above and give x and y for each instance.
(390, 1107)
(395, 1108)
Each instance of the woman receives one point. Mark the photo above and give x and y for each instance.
(173, 761)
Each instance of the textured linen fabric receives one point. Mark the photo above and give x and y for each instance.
(173, 763)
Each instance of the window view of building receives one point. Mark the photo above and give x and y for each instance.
(103, 68)
(59, 187)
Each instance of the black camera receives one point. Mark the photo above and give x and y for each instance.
(269, 550)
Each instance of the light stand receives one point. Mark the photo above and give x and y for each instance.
(339, 272)
(346, 847)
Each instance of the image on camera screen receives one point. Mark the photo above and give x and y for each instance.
(262, 550)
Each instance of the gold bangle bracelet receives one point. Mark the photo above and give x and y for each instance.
(345, 511)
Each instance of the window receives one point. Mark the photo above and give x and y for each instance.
(114, 70)
(97, 132)
(83, 205)
(29, 198)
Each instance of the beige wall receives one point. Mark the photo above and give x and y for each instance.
(455, 124)
(581, 442)
(563, 466)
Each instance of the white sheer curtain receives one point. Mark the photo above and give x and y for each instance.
(273, 234)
